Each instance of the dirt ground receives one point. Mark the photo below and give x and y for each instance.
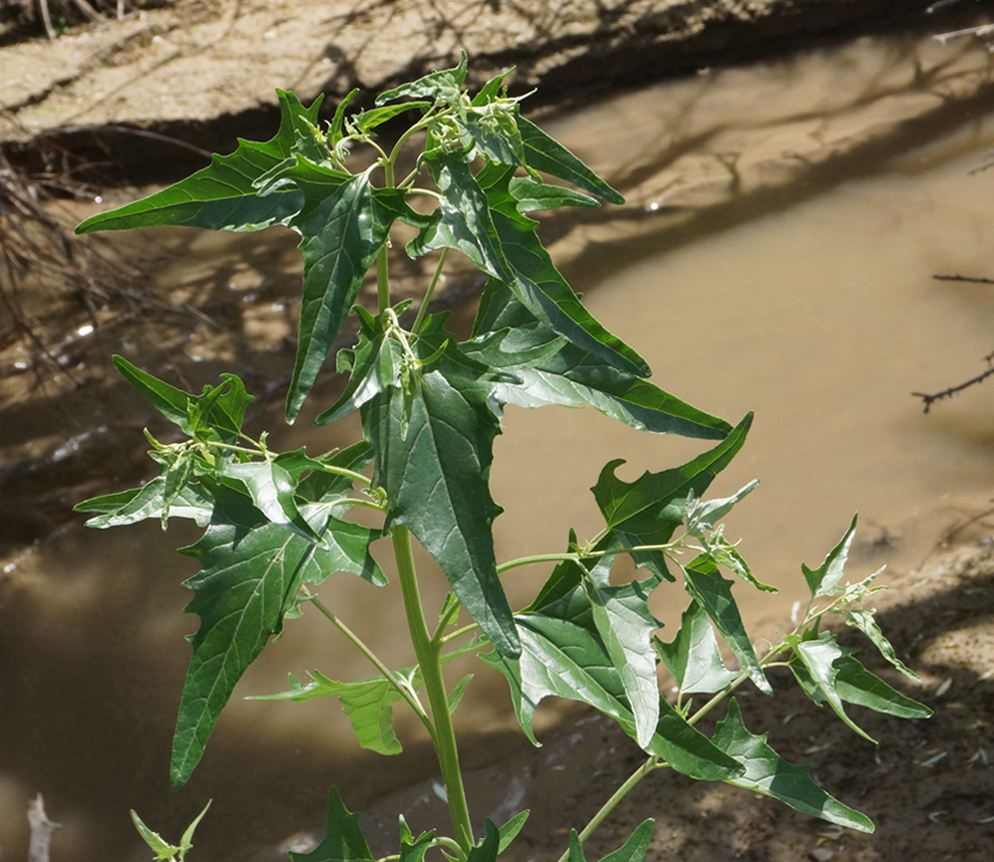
(163, 86)
(154, 86)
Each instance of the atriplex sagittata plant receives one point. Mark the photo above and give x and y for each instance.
(430, 407)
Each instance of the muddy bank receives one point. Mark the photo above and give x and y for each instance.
(155, 93)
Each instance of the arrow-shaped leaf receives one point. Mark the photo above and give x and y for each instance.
(648, 510)
(828, 672)
(544, 153)
(824, 581)
(433, 440)
(367, 703)
(340, 240)
(633, 850)
(138, 504)
(223, 196)
(768, 773)
(251, 570)
(343, 840)
(548, 369)
(625, 625)
(863, 620)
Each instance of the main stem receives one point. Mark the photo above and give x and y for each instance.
(428, 654)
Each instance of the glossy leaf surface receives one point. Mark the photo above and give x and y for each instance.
(433, 439)
(648, 510)
(563, 655)
(251, 569)
(224, 196)
(693, 656)
(768, 773)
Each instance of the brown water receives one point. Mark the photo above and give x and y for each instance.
(777, 253)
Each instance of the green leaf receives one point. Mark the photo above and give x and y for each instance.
(625, 625)
(433, 440)
(163, 849)
(462, 220)
(372, 367)
(648, 510)
(271, 488)
(335, 127)
(856, 685)
(633, 850)
(340, 240)
(818, 664)
(444, 86)
(413, 849)
(549, 156)
(343, 839)
(216, 414)
(489, 847)
(366, 121)
(494, 129)
(322, 486)
(251, 570)
(864, 621)
(705, 515)
(562, 654)
(509, 831)
(693, 657)
(186, 842)
(488, 229)
(713, 593)
(531, 195)
(539, 286)
(767, 773)
(367, 703)
(223, 196)
(548, 369)
(194, 501)
(824, 581)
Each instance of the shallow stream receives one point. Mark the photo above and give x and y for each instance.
(777, 253)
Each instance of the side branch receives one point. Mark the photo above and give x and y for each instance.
(973, 279)
(952, 390)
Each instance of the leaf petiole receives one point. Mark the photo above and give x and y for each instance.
(405, 691)
(430, 291)
(568, 556)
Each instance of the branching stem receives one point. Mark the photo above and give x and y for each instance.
(577, 557)
(404, 690)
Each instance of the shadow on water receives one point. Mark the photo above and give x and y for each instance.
(93, 657)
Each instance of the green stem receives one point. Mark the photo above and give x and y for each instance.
(382, 259)
(430, 291)
(575, 557)
(428, 654)
(405, 691)
(650, 765)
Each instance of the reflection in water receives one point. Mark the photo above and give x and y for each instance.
(776, 254)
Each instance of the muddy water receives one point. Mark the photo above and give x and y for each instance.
(777, 254)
